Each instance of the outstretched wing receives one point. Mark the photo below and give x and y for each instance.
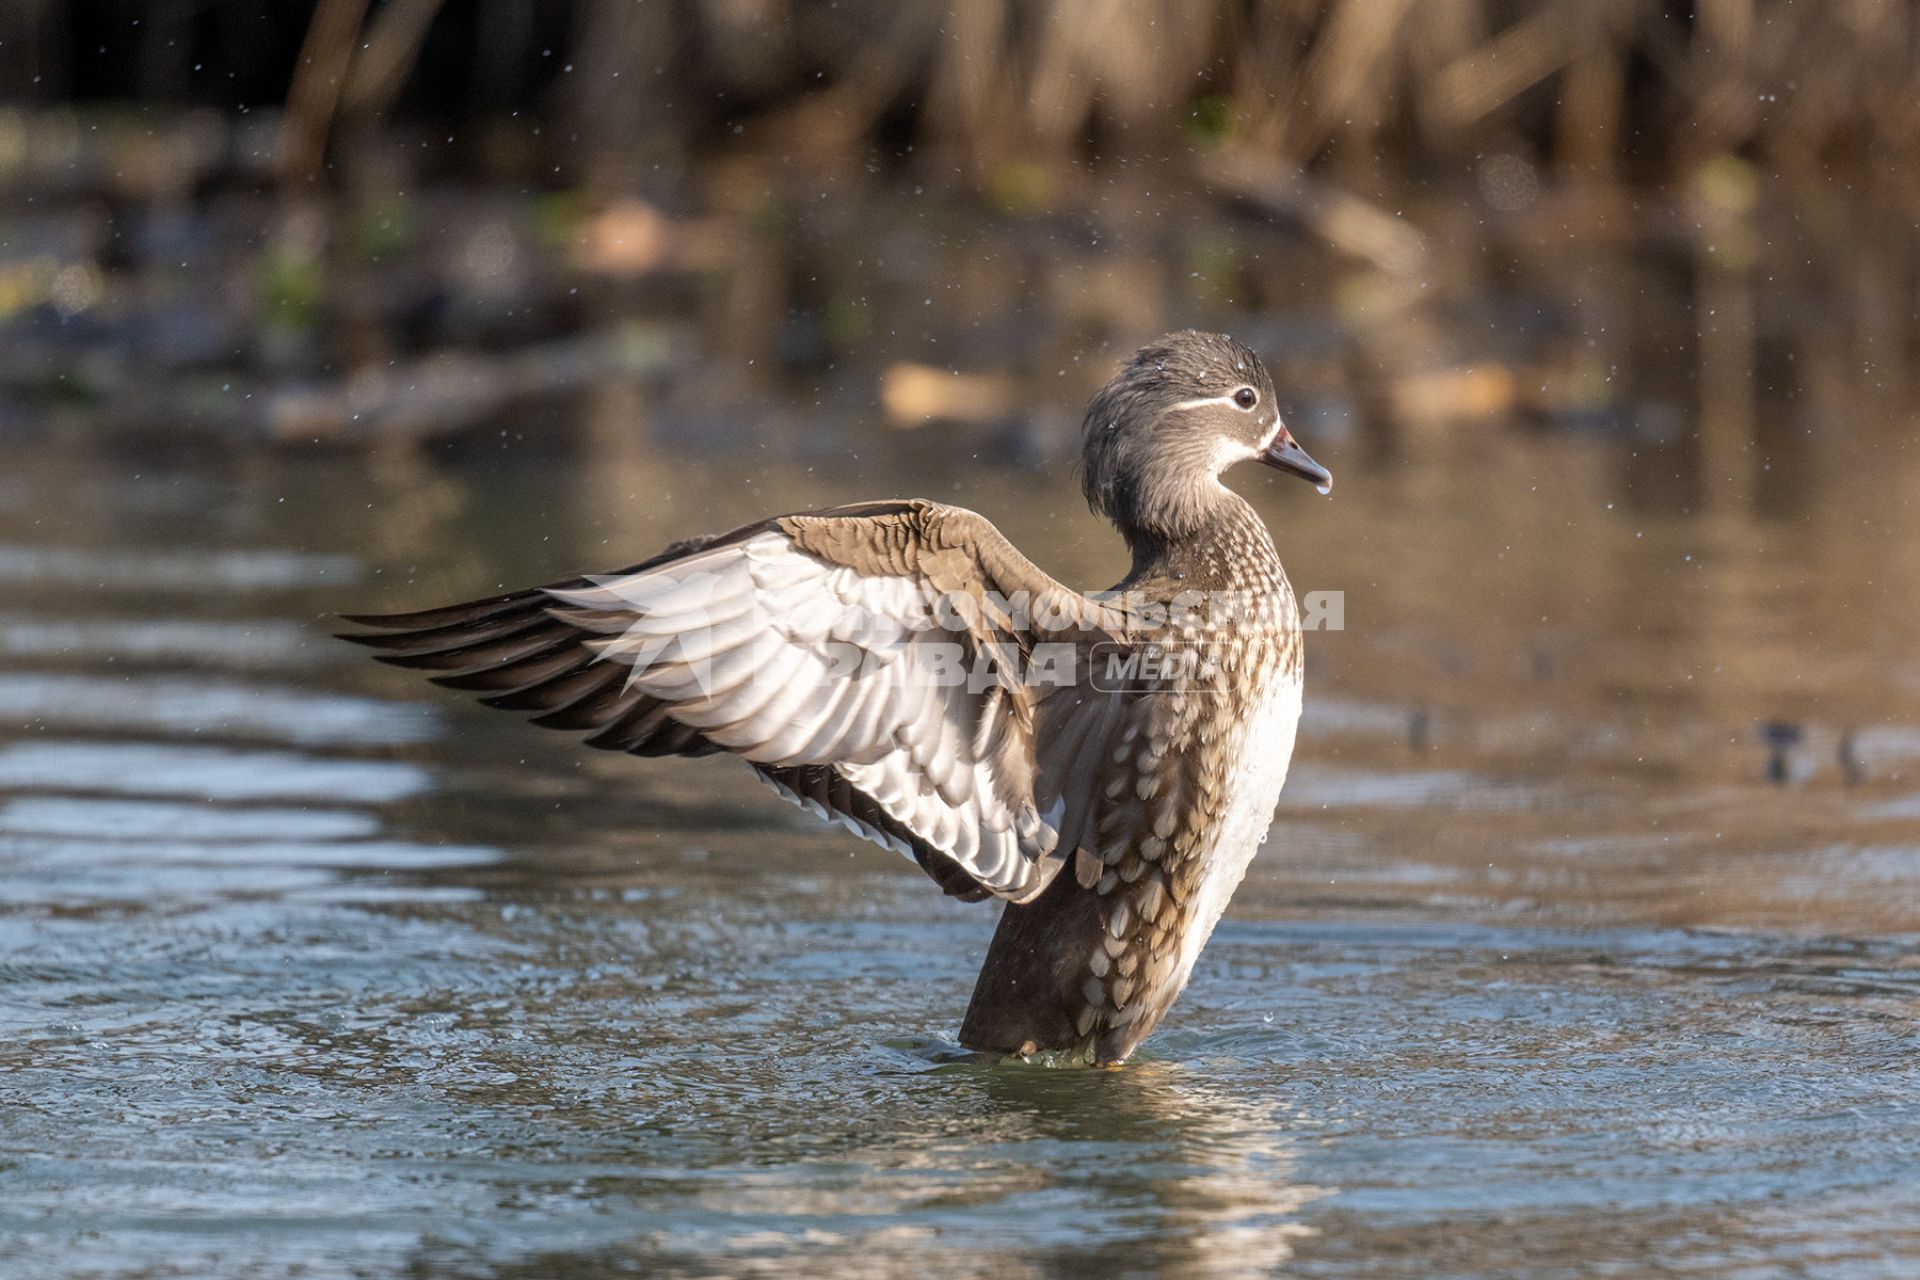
(896, 666)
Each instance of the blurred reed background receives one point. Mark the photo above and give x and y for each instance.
(409, 219)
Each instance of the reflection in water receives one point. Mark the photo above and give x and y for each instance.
(219, 572)
(261, 642)
(1141, 1171)
(187, 706)
(206, 773)
(1171, 1175)
(125, 819)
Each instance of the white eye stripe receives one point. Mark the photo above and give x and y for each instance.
(1229, 400)
(1195, 404)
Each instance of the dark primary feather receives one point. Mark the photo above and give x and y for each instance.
(512, 649)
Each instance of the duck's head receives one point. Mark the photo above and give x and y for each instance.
(1182, 410)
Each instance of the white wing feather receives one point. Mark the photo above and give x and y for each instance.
(788, 660)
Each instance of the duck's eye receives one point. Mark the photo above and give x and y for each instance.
(1246, 397)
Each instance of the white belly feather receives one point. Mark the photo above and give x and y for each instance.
(1264, 752)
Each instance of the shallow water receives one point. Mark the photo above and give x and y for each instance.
(305, 965)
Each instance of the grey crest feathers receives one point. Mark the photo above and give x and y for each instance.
(1151, 470)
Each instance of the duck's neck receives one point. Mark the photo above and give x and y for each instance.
(1216, 540)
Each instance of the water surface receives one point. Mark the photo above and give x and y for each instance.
(307, 968)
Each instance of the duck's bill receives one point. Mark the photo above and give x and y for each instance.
(1285, 454)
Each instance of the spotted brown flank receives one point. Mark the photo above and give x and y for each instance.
(901, 668)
